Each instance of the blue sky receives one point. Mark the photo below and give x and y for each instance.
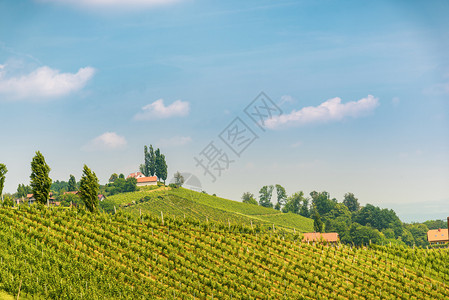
(363, 89)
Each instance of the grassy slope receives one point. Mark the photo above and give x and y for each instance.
(180, 202)
(117, 257)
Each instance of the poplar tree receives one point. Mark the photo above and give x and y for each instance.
(3, 171)
(151, 161)
(40, 181)
(157, 163)
(71, 187)
(89, 189)
(162, 168)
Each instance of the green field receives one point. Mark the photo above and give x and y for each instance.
(70, 254)
(183, 202)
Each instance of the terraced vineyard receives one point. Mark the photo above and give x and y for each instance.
(67, 254)
(183, 202)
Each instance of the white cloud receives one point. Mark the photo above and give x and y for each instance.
(106, 141)
(175, 141)
(157, 110)
(97, 4)
(330, 110)
(43, 83)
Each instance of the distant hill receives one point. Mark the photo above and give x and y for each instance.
(182, 202)
(63, 253)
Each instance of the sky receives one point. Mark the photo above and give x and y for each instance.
(336, 96)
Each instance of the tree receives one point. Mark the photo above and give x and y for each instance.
(58, 186)
(113, 177)
(179, 179)
(435, 224)
(148, 168)
(281, 196)
(89, 188)
(338, 220)
(40, 181)
(130, 185)
(317, 223)
(249, 198)
(362, 235)
(69, 199)
(162, 167)
(71, 187)
(379, 218)
(151, 161)
(157, 161)
(265, 194)
(351, 202)
(145, 168)
(293, 203)
(322, 202)
(121, 176)
(3, 171)
(419, 232)
(23, 190)
(304, 210)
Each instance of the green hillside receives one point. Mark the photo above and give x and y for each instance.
(183, 202)
(70, 254)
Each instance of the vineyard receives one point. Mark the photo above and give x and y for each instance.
(183, 202)
(71, 254)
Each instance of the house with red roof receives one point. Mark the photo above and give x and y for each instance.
(144, 181)
(31, 199)
(438, 236)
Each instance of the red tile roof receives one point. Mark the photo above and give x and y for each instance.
(437, 235)
(29, 195)
(317, 236)
(147, 179)
(135, 175)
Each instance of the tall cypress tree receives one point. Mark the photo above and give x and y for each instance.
(71, 187)
(157, 163)
(89, 189)
(151, 161)
(163, 168)
(3, 171)
(40, 181)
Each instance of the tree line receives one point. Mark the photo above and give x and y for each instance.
(40, 184)
(354, 223)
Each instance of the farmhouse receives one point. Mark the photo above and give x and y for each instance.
(143, 181)
(330, 237)
(30, 198)
(135, 175)
(101, 197)
(437, 236)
